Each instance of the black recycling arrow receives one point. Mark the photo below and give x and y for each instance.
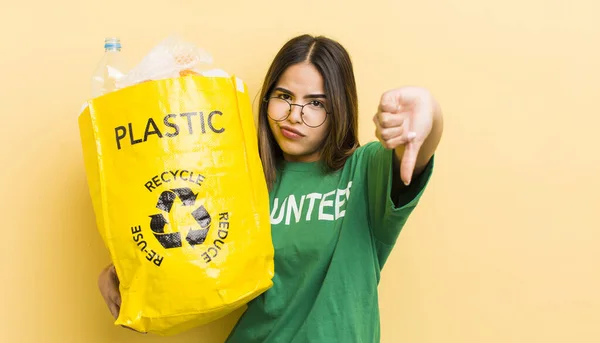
(166, 198)
(165, 201)
(157, 223)
(186, 196)
(202, 216)
(169, 240)
(195, 237)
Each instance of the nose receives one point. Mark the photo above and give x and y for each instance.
(295, 114)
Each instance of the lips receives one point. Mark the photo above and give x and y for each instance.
(291, 133)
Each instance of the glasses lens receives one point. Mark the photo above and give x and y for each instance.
(314, 114)
(278, 109)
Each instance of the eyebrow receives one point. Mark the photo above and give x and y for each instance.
(308, 96)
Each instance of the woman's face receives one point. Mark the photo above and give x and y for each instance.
(300, 84)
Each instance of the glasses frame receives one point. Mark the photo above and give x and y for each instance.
(267, 100)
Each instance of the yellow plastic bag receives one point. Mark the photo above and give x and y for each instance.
(180, 199)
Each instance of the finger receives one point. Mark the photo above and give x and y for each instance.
(400, 140)
(377, 125)
(395, 142)
(386, 119)
(409, 159)
(393, 132)
(114, 276)
(114, 310)
(389, 107)
(114, 296)
(388, 103)
(377, 128)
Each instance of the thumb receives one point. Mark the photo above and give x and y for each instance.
(388, 103)
(409, 160)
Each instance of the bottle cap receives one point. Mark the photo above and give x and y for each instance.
(112, 43)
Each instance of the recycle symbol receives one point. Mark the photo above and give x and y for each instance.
(165, 203)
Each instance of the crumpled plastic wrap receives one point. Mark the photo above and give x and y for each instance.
(173, 57)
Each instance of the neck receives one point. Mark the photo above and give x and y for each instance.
(313, 157)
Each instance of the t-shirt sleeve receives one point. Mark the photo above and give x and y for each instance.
(385, 218)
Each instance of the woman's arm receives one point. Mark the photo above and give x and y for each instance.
(108, 283)
(410, 121)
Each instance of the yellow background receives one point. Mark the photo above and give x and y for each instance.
(504, 246)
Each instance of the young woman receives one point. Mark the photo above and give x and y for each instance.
(336, 207)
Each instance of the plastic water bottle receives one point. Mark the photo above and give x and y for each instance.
(110, 68)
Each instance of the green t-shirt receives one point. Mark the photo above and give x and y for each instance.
(332, 233)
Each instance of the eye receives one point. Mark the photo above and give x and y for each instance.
(316, 103)
(284, 96)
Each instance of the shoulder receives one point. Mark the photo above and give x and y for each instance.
(363, 158)
(367, 152)
(369, 148)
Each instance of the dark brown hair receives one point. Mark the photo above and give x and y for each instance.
(333, 63)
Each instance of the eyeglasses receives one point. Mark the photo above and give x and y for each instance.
(313, 113)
